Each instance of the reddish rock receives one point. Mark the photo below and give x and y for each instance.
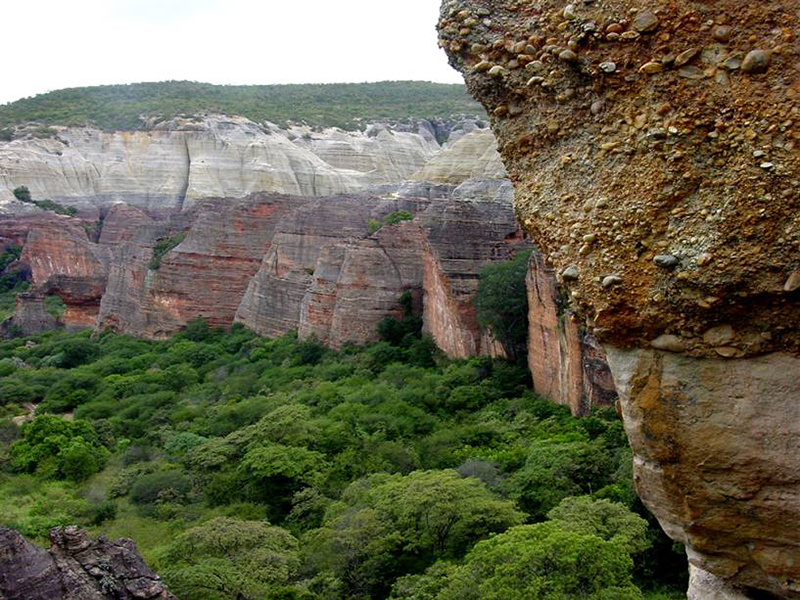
(64, 262)
(357, 283)
(464, 234)
(124, 223)
(204, 276)
(567, 364)
(272, 304)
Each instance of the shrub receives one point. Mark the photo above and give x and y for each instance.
(169, 485)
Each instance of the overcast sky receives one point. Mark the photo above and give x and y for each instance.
(53, 44)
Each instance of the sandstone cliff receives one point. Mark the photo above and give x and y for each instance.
(188, 159)
(653, 148)
(474, 228)
(75, 567)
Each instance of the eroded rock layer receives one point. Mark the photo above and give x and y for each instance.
(567, 364)
(185, 160)
(653, 147)
(473, 229)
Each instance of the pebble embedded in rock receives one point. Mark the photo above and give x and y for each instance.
(722, 335)
(571, 273)
(497, 71)
(793, 283)
(611, 280)
(645, 22)
(570, 12)
(608, 67)
(756, 61)
(482, 66)
(722, 33)
(686, 57)
(668, 343)
(568, 56)
(666, 261)
(651, 68)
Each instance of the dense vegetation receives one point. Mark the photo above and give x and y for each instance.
(254, 468)
(346, 105)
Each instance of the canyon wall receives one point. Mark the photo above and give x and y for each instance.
(185, 160)
(653, 147)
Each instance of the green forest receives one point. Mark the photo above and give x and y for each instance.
(345, 105)
(245, 467)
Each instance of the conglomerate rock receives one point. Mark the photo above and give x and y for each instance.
(75, 567)
(653, 147)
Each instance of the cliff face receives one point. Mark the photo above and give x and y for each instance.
(653, 149)
(203, 276)
(186, 160)
(75, 567)
(64, 262)
(276, 296)
(475, 228)
(566, 362)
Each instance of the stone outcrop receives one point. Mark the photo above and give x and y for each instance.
(273, 300)
(75, 567)
(473, 156)
(470, 231)
(30, 316)
(567, 364)
(203, 276)
(185, 160)
(653, 150)
(357, 283)
(64, 262)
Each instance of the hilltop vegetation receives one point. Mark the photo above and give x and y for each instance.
(346, 105)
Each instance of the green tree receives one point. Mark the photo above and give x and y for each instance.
(22, 193)
(501, 304)
(58, 448)
(543, 562)
(227, 558)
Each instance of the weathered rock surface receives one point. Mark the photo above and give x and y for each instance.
(631, 135)
(204, 276)
(185, 160)
(470, 231)
(273, 300)
(30, 316)
(357, 283)
(567, 364)
(64, 262)
(473, 156)
(75, 567)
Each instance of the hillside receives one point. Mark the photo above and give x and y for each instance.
(345, 105)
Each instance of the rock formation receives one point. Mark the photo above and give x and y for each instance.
(275, 296)
(473, 156)
(357, 283)
(64, 262)
(653, 149)
(204, 276)
(473, 229)
(75, 567)
(567, 364)
(30, 316)
(188, 159)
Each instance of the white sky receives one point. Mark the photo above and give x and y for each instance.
(52, 44)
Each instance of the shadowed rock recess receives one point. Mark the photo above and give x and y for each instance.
(653, 147)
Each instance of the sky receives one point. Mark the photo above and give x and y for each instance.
(53, 44)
